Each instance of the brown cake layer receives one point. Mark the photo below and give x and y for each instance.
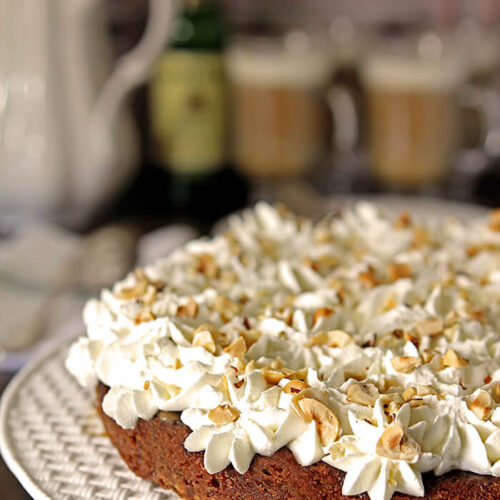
(155, 450)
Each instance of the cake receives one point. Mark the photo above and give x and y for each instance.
(355, 356)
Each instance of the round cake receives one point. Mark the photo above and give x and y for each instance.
(355, 356)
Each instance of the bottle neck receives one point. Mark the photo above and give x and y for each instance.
(199, 27)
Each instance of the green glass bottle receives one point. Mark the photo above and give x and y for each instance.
(188, 101)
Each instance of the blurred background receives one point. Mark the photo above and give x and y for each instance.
(130, 126)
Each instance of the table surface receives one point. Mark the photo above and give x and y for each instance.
(10, 489)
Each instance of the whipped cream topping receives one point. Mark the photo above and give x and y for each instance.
(366, 341)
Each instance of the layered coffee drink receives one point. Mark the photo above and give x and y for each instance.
(278, 105)
(413, 118)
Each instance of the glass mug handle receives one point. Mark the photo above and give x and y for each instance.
(486, 102)
(344, 114)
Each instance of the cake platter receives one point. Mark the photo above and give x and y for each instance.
(52, 440)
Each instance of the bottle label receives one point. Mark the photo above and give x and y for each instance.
(188, 111)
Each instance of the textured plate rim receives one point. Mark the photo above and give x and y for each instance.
(7, 401)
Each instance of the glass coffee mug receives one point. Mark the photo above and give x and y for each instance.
(279, 114)
(413, 118)
(414, 98)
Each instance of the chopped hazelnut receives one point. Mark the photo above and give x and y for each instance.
(326, 420)
(426, 390)
(409, 393)
(494, 222)
(405, 364)
(368, 278)
(429, 327)
(188, 310)
(251, 366)
(397, 271)
(223, 414)
(427, 356)
(420, 237)
(299, 374)
(207, 266)
(481, 405)
(272, 377)
(394, 443)
(295, 386)
(250, 336)
(451, 358)
(226, 307)
(322, 312)
(403, 221)
(237, 349)
(496, 393)
(411, 338)
(364, 394)
(333, 338)
(140, 287)
(416, 402)
(204, 339)
(149, 296)
(392, 402)
(322, 235)
(144, 315)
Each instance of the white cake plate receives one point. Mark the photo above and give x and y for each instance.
(53, 441)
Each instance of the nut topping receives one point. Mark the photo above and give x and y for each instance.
(394, 443)
(405, 364)
(140, 287)
(149, 296)
(420, 237)
(322, 312)
(299, 374)
(188, 310)
(392, 402)
(326, 421)
(250, 336)
(339, 338)
(364, 394)
(368, 278)
(481, 405)
(409, 393)
(451, 358)
(322, 235)
(333, 338)
(223, 385)
(226, 308)
(427, 356)
(218, 336)
(426, 390)
(204, 339)
(397, 271)
(144, 315)
(272, 377)
(238, 348)
(494, 222)
(429, 327)
(223, 414)
(295, 386)
(207, 266)
(496, 393)
(403, 221)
